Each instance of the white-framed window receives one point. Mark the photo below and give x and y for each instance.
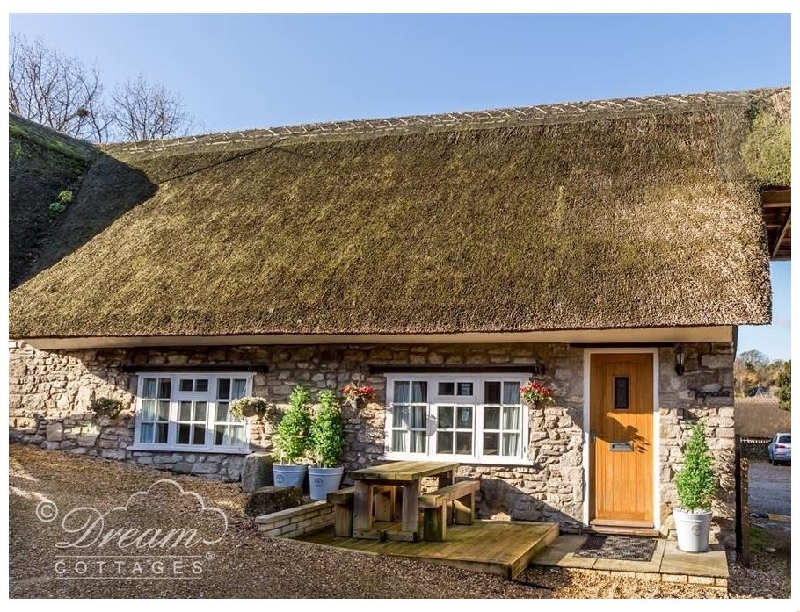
(189, 411)
(467, 417)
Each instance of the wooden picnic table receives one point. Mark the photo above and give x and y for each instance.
(386, 480)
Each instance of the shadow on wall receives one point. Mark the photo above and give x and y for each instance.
(498, 499)
(44, 164)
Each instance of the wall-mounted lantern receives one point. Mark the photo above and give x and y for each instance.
(679, 368)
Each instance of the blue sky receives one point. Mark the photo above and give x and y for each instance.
(238, 71)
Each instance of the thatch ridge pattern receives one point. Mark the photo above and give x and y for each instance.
(523, 115)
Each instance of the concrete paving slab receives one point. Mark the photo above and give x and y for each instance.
(713, 563)
(562, 558)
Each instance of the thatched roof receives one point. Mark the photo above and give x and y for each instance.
(613, 214)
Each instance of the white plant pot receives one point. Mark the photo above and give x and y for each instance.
(322, 481)
(288, 475)
(693, 530)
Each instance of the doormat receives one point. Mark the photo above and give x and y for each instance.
(624, 548)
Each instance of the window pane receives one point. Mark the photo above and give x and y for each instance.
(511, 417)
(149, 388)
(199, 436)
(399, 444)
(491, 417)
(444, 442)
(236, 434)
(161, 433)
(510, 444)
(239, 388)
(164, 388)
(419, 392)
(464, 414)
(464, 389)
(464, 442)
(163, 410)
(490, 444)
(491, 393)
(186, 385)
(445, 417)
(511, 393)
(418, 414)
(401, 390)
(222, 411)
(185, 412)
(201, 385)
(146, 433)
(447, 388)
(621, 392)
(223, 388)
(219, 434)
(183, 434)
(200, 411)
(401, 416)
(417, 441)
(149, 409)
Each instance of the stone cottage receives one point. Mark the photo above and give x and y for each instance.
(607, 250)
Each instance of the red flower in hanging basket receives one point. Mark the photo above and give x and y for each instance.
(535, 393)
(354, 392)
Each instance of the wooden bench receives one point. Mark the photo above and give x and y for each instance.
(385, 508)
(454, 503)
(342, 501)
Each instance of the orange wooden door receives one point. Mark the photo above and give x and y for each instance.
(621, 440)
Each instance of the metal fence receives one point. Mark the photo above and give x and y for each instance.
(753, 448)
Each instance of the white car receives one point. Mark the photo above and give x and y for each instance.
(779, 449)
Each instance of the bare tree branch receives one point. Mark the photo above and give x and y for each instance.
(54, 90)
(144, 111)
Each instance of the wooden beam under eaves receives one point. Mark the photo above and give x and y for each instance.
(781, 235)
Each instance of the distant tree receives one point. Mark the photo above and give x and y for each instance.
(784, 382)
(58, 91)
(52, 89)
(751, 369)
(143, 110)
(753, 359)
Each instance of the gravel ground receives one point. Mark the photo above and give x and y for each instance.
(52, 496)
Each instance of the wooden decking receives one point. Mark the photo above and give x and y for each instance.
(496, 547)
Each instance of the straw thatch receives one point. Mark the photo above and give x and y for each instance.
(614, 214)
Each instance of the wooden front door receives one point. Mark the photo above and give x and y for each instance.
(621, 440)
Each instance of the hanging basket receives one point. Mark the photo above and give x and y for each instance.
(351, 407)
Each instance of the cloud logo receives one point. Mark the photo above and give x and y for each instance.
(163, 518)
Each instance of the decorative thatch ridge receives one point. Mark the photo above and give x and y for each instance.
(613, 214)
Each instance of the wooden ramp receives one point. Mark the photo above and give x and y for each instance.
(496, 547)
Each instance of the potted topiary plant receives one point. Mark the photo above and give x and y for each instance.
(292, 440)
(697, 485)
(327, 440)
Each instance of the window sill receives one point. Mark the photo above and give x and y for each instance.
(165, 448)
(463, 459)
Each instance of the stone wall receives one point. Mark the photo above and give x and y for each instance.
(48, 389)
(682, 403)
(294, 522)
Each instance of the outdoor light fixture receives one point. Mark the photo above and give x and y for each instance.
(679, 360)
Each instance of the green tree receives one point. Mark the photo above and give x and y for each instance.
(294, 429)
(784, 382)
(327, 430)
(696, 482)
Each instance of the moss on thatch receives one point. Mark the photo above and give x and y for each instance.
(42, 164)
(767, 148)
(607, 215)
